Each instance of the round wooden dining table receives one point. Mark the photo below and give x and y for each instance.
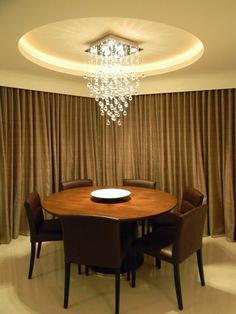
(143, 203)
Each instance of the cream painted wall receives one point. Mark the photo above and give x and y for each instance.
(181, 82)
(72, 85)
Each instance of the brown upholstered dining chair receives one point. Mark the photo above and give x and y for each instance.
(174, 245)
(191, 198)
(141, 183)
(41, 230)
(65, 185)
(94, 241)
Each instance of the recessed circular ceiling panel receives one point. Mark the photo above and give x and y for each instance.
(61, 46)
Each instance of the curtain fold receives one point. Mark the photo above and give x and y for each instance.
(176, 139)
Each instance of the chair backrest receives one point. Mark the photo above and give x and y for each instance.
(75, 184)
(34, 213)
(92, 240)
(139, 182)
(191, 198)
(189, 233)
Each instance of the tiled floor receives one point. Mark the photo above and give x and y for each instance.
(154, 292)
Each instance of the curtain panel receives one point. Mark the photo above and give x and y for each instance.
(176, 139)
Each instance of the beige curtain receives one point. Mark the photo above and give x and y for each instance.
(176, 139)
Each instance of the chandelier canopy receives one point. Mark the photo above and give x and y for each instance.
(114, 80)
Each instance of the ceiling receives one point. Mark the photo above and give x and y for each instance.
(212, 22)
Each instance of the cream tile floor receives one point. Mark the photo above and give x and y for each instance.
(154, 292)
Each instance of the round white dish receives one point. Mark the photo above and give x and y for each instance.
(110, 194)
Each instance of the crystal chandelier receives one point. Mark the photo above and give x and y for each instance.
(113, 82)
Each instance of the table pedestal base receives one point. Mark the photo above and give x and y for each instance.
(129, 232)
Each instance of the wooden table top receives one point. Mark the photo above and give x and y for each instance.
(144, 203)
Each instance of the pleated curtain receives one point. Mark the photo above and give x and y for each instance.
(177, 139)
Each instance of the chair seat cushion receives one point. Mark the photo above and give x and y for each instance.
(167, 251)
(50, 230)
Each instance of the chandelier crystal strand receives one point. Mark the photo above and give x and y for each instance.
(114, 81)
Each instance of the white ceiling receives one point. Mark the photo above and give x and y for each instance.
(62, 46)
(212, 21)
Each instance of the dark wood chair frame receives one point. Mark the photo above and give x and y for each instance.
(65, 185)
(94, 241)
(41, 230)
(72, 184)
(141, 183)
(175, 245)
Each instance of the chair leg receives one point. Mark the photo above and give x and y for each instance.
(133, 269)
(67, 284)
(39, 249)
(200, 267)
(79, 269)
(143, 227)
(133, 278)
(178, 286)
(117, 292)
(86, 270)
(128, 263)
(158, 263)
(32, 257)
(128, 267)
